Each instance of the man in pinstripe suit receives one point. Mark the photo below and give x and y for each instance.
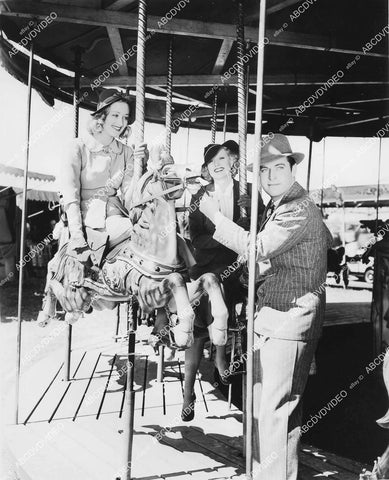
(292, 248)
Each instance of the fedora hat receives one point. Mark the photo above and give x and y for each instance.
(108, 96)
(275, 147)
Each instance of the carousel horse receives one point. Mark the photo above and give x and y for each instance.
(149, 266)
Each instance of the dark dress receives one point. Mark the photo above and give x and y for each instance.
(212, 257)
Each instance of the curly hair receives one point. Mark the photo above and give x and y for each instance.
(97, 120)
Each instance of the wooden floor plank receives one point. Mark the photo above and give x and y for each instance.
(208, 448)
(325, 468)
(73, 397)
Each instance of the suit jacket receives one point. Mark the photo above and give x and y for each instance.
(293, 244)
(210, 255)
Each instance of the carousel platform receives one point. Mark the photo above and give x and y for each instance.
(74, 430)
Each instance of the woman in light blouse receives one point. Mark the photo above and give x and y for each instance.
(97, 183)
(95, 168)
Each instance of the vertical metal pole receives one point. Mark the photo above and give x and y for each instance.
(130, 397)
(322, 176)
(252, 245)
(378, 345)
(138, 170)
(213, 119)
(23, 235)
(140, 84)
(242, 109)
(225, 122)
(160, 363)
(187, 140)
(117, 322)
(76, 106)
(309, 163)
(169, 97)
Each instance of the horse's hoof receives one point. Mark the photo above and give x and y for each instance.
(219, 336)
(182, 339)
(43, 319)
(72, 317)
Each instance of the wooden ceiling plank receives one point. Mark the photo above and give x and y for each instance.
(183, 97)
(222, 56)
(280, 5)
(118, 50)
(176, 26)
(120, 4)
(333, 104)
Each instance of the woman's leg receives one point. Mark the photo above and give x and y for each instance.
(118, 228)
(193, 357)
(221, 360)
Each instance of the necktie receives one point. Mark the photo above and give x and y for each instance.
(271, 208)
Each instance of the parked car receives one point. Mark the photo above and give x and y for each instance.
(363, 271)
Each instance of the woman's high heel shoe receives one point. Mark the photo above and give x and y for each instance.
(188, 412)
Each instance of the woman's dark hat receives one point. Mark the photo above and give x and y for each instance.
(108, 96)
(214, 148)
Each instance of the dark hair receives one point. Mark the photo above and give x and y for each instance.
(291, 161)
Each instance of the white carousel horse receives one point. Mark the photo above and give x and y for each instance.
(148, 266)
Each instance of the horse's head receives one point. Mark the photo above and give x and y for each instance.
(154, 215)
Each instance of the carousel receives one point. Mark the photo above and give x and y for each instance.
(107, 405)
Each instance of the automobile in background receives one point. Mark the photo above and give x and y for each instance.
(363, 271)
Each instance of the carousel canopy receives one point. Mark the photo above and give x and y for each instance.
(41, 187)
(326, 63)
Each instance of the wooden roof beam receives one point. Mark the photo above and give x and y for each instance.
(176, 26)
(277, 5)
(221, 59)
(120, 4)
(332, 104)
(213, 80)
(117, 47)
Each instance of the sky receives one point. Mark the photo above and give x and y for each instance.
(341, 158)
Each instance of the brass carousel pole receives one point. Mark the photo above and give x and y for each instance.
(140, 84)
(252, 247)
(242, 107)
(214, 119)
(23, 234)
(128, 426)
(76, 101)
(169, 97)
(168, 125)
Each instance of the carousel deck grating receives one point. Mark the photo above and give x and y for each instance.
(93, 382)
(88, 411)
